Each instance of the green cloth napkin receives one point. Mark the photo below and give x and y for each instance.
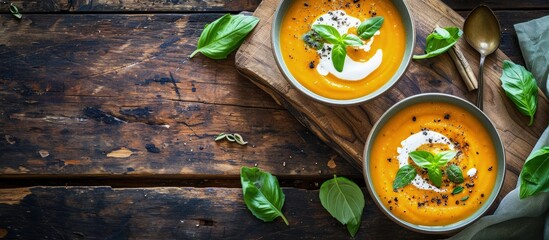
(517, 218)
(533, 39)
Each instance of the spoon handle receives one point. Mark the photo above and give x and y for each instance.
(480, 82)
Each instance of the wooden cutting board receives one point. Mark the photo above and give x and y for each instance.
(346, 128)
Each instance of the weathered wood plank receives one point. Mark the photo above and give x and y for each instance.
(174, 213)
(345, 128)
(220, 5)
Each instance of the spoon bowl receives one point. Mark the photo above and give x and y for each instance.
(482, 31)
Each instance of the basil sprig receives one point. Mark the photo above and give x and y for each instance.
(439, 41)
(262, 194)
(224, 35)
(340, 42)
(433, 164)
(534, 176)
(520, 86)
(369, 27)
(344, 200)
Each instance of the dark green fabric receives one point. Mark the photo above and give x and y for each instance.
(533, 39)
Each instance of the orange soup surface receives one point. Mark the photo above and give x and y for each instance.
(419, 203)
(302, 60)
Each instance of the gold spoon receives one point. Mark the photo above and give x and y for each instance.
(482, 32)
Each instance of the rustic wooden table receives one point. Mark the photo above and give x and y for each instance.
(107, 127)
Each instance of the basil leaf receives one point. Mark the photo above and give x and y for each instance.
(369, 27)
(329, 33)
(14, 11)
(441, 33)
(423, 159)
(404, 176)
(339, 51)
(352, 40)
(435, 175)
(224, 35)
(520, 86)
(457, 190)
(463, 199)
(220, 136)
(262, 194)
(438, 43)
(534, 176)
(344, 200)
(442, 158)
(454, 174)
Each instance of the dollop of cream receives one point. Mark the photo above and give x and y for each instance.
(352, 70)
(472, 172)
(414, 141)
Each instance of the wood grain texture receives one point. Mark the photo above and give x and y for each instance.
(345, 128)
(174, 213)
(83, 86)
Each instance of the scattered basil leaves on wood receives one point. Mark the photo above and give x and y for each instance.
(369, 27)
(339, 50)
(433, 163)
(14, 11)
(262, 194)
(520, 86)
(534, 176)
(235, 137)
(344, 200)
(404, 176)
(439, 41)
(455, 174)
(224, 35)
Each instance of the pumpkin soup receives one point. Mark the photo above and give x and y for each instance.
(366, 67)
(433, 130)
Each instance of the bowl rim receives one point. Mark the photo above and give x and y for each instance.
(485, 121)
(397, 76)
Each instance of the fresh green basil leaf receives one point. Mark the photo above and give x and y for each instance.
(313, 40)
(352, 40)
(329, 33)
(441, 33)
(224, 35)
(404, 176)
(339, 52)
(14, 11)
(423, 159)
(344, 200)
(442, 158)
(520, 86)
(369, 27)
(463, 199)
(435, 175)
(262, 194)
(457, 190)
(455, 174)
(534, 176)
(436, 44)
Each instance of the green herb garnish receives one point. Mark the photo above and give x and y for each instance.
(433, 163)
(14, 11)
(340, 42)
(439, 41)
(454, 174)
(224, 35)
(404, 176)
(534, 176)
(313, 40)
(457, 190)
(344, 201)
(463, 199)
(520, 86)
(235, 137)
(369, 27)
(262, 194)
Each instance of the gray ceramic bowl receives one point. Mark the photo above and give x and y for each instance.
(444, 98)
(410, 42)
